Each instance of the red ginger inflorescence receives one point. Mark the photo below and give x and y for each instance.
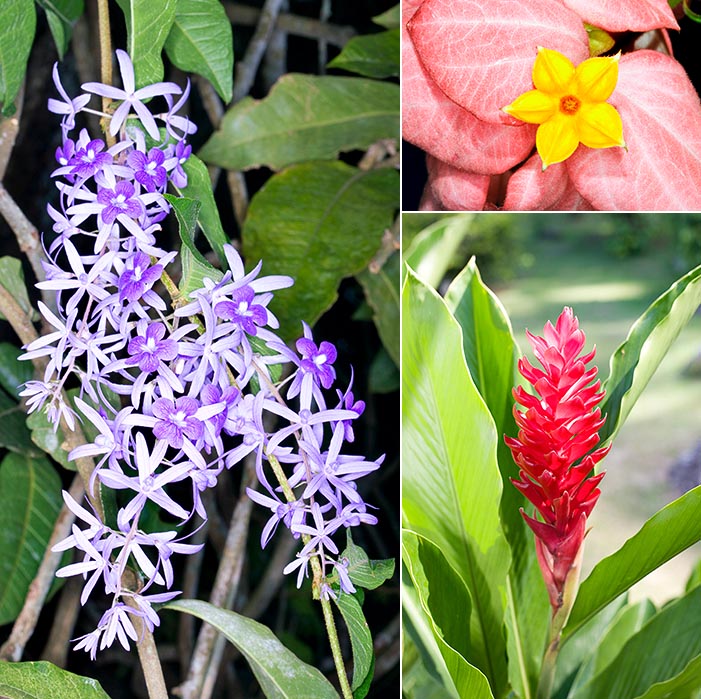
(557, 431)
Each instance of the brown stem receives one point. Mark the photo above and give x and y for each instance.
(9, 127)
(67, 609)
(25, 623)
(103, 13)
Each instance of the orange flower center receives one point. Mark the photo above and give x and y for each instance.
(569, 105)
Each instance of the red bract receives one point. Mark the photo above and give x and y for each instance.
(558, 429)
(463, 62)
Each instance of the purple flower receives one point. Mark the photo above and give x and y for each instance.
(150, 350)
(148, 170)
(65, 153)
(131, 96)
(348, 402)
(138, 275)
(318, 360)
(69, 107)
(90, 160)
(242, 311)
(176, 420)
(119, 200)
(180, 155)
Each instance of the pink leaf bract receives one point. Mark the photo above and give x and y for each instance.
(481, 54)
(662, 127)
(625, 15)
(456, 189)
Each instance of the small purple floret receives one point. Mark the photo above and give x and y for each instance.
(176, 421)
(138, 276)
(119, 200)
(150, 350)
(242, 311)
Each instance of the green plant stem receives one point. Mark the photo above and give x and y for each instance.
(103, 19)
(335, 646)
(547, 670)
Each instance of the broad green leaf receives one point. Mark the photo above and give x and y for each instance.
(148, 25)
(42, 680)
(363, 571)
(372, 55)
(12, 278)
(305, 117)
(446, 602)
(13, 373)
(361, 639)
(431, 252)
(280, 673)
(451, 481)
(318, 223)
(14, 434)
(668, 532)
(30, 500)
(17, 28)
(635, 361)
(62, 16)
(382, 293)
(491, 354)
(200, 41)
(666, 652)
(199, 187)
(389, 19)
(627, 622)
(195, 267)
(383, 376)
(417, 681)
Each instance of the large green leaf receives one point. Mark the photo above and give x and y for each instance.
(14, 433)
(491, 354)
(30, 500)
(432, 251)
(17, 27)
(200, 41)
(13, 373)
(382, 293)
(442, 593)
(628, 621)
(12, 278)
(318, 223)
(390, 19)
(62, 16)
(42, 680)
(281, 674)
(451, 481)
(668, 532)
(635, 361)
(372, 55)
(666, 652)
(361, 640)
(148, 25)
(305, 117)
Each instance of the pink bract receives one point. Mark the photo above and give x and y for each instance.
(464, 61)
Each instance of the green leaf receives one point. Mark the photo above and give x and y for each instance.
(305, 117)
(148, 25)
(199, 187)
(13, 373)
(449, 447)
(360, 636)
(195, 266)
(635, 361)
(627, 622)
(200, 41)
(30, 500)
(441, 592)
(665, 653)
(389, 19)
(318, 223)
(42, 680)
(363, 571)
(383, 376)
(381, 289)
(62, 16)
(431, 252)
(12, 278)
(668, 532)
(372, 55)
(281, 674)
(14, 434)
(16, 37)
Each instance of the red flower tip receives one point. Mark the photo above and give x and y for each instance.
(558, 429)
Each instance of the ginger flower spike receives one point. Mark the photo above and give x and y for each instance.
(558, 429)
(570, 105)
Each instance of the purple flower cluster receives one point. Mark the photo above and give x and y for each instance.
(176, 396)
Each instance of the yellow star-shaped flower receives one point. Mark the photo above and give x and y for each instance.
(570, 105)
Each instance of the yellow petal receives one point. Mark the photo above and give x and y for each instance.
(596, 78)
(556, 139)
(552, 72)
(533, 107)
(599, 126)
